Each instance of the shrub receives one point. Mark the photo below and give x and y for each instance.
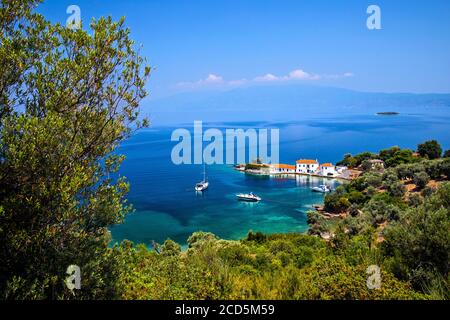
(257, 237)
(392, 184)
(445, 167)
(262, 261)
(170, 248)
(414, 200)
(356, 197)
(380, 211)
(397, 189)
(358, 184)
(433, 168)
(421, 179)
(407, 171)
(389, 177)
(366, 165)
(234, 254)
(336, 203)
(354, 210)
(443, 196)
(427, 192)
(316, 229)
(420, 239)
(354, 225)
(312, 217)
(199, 238)
(303, 256)
(280, 246)
(371, 191)
(373, 179)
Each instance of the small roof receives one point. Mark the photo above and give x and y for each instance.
(326, 165)
(307, 161)
(284, 166)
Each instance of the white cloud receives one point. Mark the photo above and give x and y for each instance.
(267, 77)
(212, 78)
(300, 75)
(295, 75)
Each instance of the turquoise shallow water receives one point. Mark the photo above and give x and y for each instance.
(168, 207)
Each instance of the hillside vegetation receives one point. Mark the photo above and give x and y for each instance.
(397, 219)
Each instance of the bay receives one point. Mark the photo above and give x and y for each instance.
(168, 207)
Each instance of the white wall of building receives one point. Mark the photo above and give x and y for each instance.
(306, 168)
(328, 171)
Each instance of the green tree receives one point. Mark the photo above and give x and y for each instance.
(336, 203)
(414, 200)
(364, 156)
(420, 239)
(430, 149)
(67, 98)
(170, 248)
(445, 168)
(378, 211)
(434, 168)
(366, 165)
(387, 154)
(407, 171)
(373, 179)
(401, 157)
(421, 179)
(199, 238)
(348, 161)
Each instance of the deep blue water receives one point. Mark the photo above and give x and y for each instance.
(168, 207)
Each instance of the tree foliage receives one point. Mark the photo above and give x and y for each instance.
(283, 266)
(430, 149)
(67, 99)
(420, 241)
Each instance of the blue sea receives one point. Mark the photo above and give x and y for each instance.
(168, 207)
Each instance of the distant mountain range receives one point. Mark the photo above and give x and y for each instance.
(285, 103)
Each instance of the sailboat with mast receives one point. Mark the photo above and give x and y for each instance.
(201, 186)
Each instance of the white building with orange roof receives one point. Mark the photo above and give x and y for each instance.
(281, 168)
(307, 166)
(328, 170)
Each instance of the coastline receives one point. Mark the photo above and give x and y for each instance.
(259, 173)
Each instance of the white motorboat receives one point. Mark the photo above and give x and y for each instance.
(322, 188)
(201, 186)
(248, 197)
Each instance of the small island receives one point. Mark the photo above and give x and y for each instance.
(388, 113)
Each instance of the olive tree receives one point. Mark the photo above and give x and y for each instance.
(67, 99)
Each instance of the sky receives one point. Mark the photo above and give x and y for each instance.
(220, 44)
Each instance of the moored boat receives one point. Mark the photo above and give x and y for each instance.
(322, 188)
(201, 186)
(248, 197)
